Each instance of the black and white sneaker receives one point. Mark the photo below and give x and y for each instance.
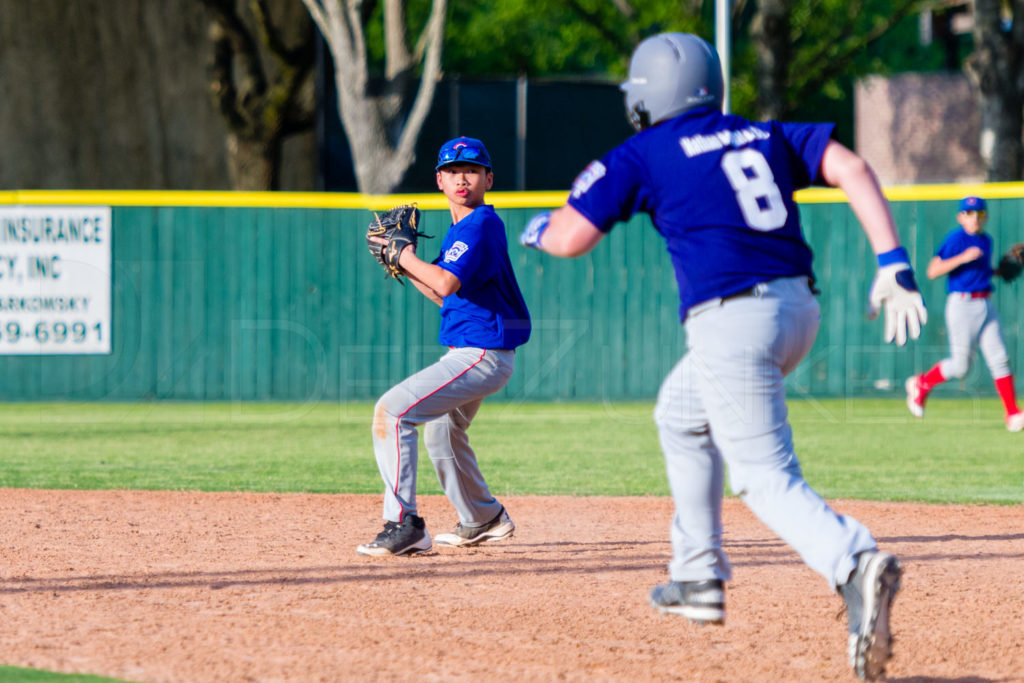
(869, 595)
(499, 528)
(702, 602)
(399, 538)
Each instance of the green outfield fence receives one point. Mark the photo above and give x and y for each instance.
(274, 296)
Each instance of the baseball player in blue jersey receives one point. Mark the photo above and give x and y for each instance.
(483, 320)
(965, 256)
(719, 189)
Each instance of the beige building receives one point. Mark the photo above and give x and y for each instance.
(919, 128)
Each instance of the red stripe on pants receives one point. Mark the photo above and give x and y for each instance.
(398, 422)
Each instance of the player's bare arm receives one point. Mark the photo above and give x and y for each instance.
(563, 232)
(432, 281)
(843, 168)
(427, 291)
(434, 278)
(894, 289)
(938, 266)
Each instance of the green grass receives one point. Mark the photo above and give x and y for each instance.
(873, 450)
(10, 674)
(865, 449)
(860, 449)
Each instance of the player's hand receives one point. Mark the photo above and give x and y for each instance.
(530, 237)
(895, 291)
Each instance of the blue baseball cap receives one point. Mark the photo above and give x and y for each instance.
(972, 204)
(463, 150)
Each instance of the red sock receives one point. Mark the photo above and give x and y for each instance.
(1004, 385)
(930, 379)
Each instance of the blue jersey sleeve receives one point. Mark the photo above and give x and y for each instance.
(808, 142)
(974, 276)
(952, 244)
(488, 310)
(606, 200)
(463, 251)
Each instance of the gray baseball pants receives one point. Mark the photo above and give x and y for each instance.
(445, 397)
(973, 323)
(725, 403)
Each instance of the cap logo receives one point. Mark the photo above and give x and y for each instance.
(463, 150)
(972, 203)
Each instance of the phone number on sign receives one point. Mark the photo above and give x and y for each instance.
(55, 332)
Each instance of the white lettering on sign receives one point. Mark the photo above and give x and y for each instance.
(55, 280)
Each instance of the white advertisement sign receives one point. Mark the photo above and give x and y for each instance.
(55, 280)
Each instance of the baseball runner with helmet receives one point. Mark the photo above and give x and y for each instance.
(719, 189)
(483, 320)
(965, 256)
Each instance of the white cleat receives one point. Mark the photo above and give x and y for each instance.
(498, 529)
(869, 595)
(915, 398)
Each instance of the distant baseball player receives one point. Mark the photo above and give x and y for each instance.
(965, 256)
(719, 189)
(483, 320)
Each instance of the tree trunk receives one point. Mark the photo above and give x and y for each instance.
(770, 33)
(1000, 143)
(994, 67)
(381, 128)
(254, 165)
(108, 95)
(261, 86)
(374, 158)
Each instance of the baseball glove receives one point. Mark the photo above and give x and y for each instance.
(1011, 264)
(399, 226)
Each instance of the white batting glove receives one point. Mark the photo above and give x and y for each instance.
(530, 237)
(895, 290)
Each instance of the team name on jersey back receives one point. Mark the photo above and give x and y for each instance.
(719, 189)
(694, 145)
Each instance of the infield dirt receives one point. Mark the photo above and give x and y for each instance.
(193, 587)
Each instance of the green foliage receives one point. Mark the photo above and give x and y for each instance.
(901, 50)
(866, 449)
(511, 37)
(832, 42)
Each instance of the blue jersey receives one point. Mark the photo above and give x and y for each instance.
(488, 311)
(719, 189)
(974, 276)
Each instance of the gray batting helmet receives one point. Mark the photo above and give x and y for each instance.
(668, 74)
